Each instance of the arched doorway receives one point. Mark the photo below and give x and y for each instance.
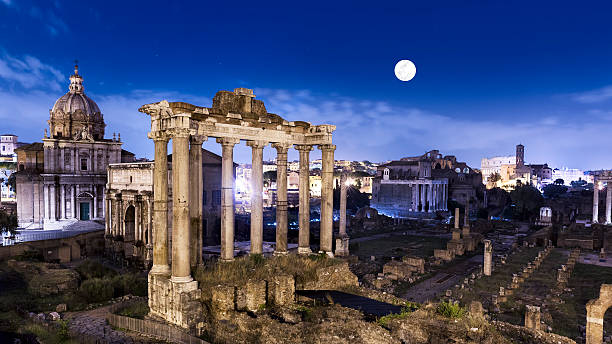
(85, 205)
(130, 223)
(596, 309)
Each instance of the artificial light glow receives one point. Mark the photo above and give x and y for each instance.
(349, 182)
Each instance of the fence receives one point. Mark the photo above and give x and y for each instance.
(151, 328)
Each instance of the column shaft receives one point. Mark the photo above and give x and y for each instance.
(180, 207)
(62, 201)
(195, 198)
(160, 212)
(257, 195)
(595, 201)
(281, 198)
(73, 201)
(342, 221)
(227, 198)
(46, 197)
(304, 207)
(53, 202)
(327, 198)
(609, 203)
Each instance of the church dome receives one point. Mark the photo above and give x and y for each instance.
(74, 115)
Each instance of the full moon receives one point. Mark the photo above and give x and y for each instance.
(405, 70)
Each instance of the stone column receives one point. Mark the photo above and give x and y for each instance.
(73, 204)
(227, 198)
(595, 201)
(257, 195)
(488, 256)
(195, 199)
(456, 218)
(160, 199)
(62, 200)
(422, 197)
(281, 197)
(181, 272)
(532, 317)
(107, 219)
(53, 202)
(149, 222)
(342, 222)
(304, 208)
(327, 198)
(46, 197)
(466, 218)
(95, 205)
(609, 203)
(137, 221)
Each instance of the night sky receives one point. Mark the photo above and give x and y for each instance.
(490, 74)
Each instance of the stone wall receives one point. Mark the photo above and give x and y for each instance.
(64, 250)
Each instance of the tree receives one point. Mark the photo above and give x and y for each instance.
(494, 177)
(527, 201)
(8, 222)
(270, 175)
(354, 198)
(554, 190)
(12, 182)
(559, 181)
(578, 183)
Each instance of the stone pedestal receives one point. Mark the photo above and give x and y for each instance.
(342, 247)
(532, 317)
(176, 303)
(488, 256)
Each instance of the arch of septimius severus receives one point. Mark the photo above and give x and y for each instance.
(234, 116)
(601, 178)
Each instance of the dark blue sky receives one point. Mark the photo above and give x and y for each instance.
(490, 74)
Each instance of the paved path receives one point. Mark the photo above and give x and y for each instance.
(433, 287)
(366, 305)
(93, 324)
(429, 234)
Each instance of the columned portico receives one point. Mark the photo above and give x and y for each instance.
(304, 190)
(257, 195)
(602, 179)
(234, 116)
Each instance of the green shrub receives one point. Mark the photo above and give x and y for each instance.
(136, 310)
(96, 290)
(30, 256)
(92, 269)
(408, 308)
(450, 310)
(129, 284)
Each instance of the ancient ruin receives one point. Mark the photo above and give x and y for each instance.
(234, 116)
(488, 256)
(598, 185)
(596, 309)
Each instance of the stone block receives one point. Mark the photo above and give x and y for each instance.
(445, 255)
(476, 309)
(251, 296)
(532, 317)
(397, 270)
(456, 246)
(61, 308)
(333, 277)
(418, 263)
(223, 299)
(282, 290)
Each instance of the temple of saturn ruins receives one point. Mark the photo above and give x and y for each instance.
(234, 116)
(599, 180)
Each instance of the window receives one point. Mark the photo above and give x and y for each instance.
(83, 164)
(216, 197)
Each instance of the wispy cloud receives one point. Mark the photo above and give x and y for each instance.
(29, 72)
(6, 2)
(52, 22)
(594, 96)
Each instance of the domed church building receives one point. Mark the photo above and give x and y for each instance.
(62, 180)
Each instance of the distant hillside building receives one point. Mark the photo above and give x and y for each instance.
(62, 180)
(512, 171)
(423, 184)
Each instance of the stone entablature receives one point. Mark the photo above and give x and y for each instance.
(234, 116)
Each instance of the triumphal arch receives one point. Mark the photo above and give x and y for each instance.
(234, 116)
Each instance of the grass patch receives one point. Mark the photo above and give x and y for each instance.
(256, 267)
(93, 269)
(50, 335)
(407, 309)
(400, 245)
(450, 310)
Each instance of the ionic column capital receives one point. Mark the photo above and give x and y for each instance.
(281, 148)
(256, 144)
(179, 133)
(327, 147)
(198, 139)
(303, 148)
(159, 136)
(227, 141)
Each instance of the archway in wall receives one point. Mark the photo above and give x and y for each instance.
(130, 223)
(438, 166)
(85, 206)
(596, 309)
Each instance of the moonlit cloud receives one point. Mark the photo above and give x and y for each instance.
(594, 96)
(29, 72)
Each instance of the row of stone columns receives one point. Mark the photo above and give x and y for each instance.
(596, 202)
(187, 201)
(433, 194)
(51, 196)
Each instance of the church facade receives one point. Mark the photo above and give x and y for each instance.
(62, 180)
